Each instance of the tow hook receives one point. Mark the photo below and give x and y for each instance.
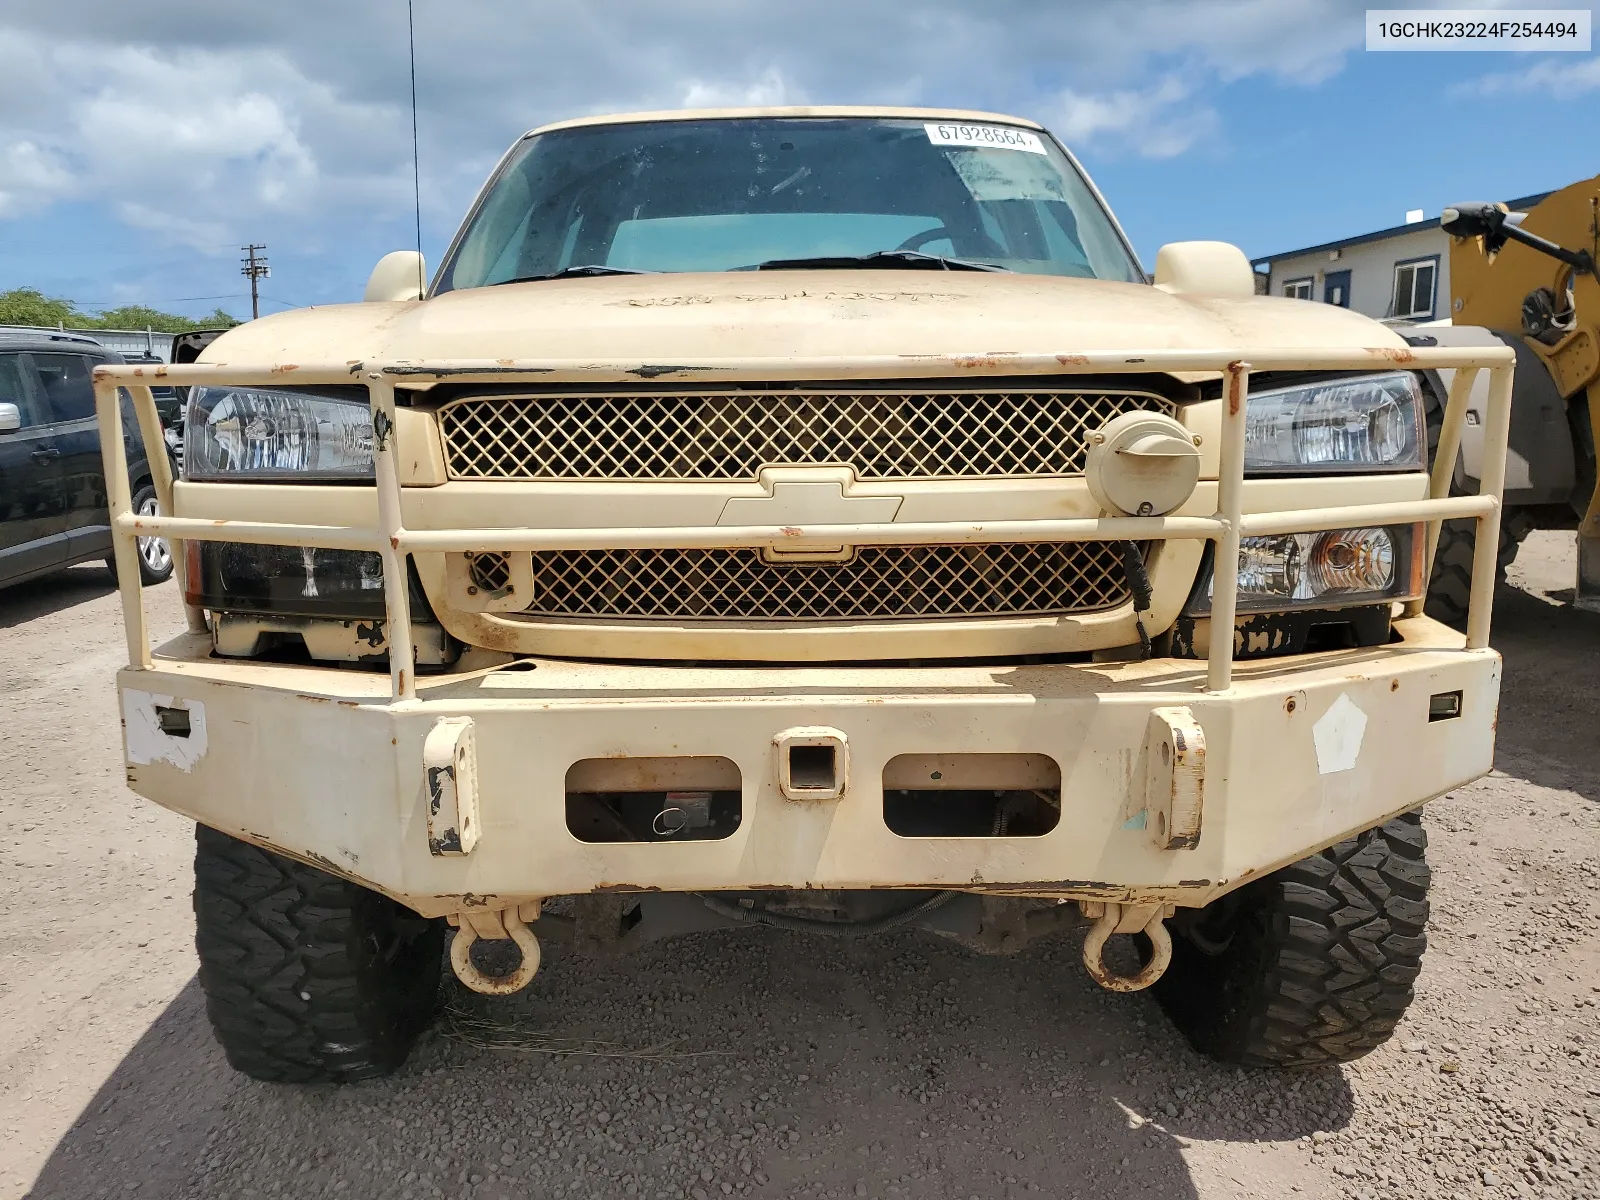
(1148, 919)
(494, 926)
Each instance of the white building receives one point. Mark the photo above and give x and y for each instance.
(1401, 275)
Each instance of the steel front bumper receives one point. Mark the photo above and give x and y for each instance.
(1299, 753)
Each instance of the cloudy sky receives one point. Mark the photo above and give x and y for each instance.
(142, 144)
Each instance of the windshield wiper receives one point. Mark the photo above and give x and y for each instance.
(905, 260)
(575, 273)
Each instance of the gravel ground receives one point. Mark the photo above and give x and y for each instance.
(766, 1064)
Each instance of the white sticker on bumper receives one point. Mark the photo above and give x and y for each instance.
(162, 729)
(1338, 735)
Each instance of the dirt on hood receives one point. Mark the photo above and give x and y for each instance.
(685, 319)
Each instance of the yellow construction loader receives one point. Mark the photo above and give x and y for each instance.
(1528, 281)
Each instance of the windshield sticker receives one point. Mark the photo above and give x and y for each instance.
(984, 137)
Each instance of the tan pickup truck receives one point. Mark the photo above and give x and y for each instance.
(811, 518)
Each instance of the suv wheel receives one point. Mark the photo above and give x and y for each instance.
(1311, 965)
(155, 555)
(308, 978)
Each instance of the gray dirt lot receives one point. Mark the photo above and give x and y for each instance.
(767, 1064)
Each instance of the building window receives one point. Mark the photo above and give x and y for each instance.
(1414, 284)
(1336, 288)
(1297, 289)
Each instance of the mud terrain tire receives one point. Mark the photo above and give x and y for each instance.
(1311, 965)
(308, 978)
(1450, 584)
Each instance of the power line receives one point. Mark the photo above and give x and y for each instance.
(255, 266)
(155, 300)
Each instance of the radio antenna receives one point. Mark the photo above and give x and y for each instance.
(416, 162)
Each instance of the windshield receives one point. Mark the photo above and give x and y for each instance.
(732, 194)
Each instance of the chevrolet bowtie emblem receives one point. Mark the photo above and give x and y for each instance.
(818, 497)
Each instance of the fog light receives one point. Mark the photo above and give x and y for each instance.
(1352, 560)
(1332, 569)
(1270, 565)
(1141, 464)
(286, 580)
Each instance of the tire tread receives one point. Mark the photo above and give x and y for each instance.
(1324, 959)
(295, 988)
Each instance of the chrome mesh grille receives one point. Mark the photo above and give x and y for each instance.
(490, 572)
(731, 436)
(877, 583)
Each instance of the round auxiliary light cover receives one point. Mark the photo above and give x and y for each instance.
(1141, 464)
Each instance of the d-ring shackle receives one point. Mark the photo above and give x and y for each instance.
(496, 985)
(1160, 945)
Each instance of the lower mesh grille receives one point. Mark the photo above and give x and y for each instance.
(877, 583)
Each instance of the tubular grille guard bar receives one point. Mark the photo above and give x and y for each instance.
(394, 542)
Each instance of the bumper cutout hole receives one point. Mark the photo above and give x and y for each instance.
(1444, 706)
(814, 768)
(690, 799)
(174, 722)
(971, 795)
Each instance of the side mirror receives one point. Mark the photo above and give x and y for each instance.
(1204, 269)
(10, 417)
(399, 275)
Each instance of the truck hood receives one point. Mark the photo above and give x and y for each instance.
(640, 320)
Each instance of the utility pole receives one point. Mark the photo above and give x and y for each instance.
(255, 266)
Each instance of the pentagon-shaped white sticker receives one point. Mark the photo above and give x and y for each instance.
(1338, 735)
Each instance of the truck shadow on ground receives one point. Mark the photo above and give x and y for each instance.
(1550, 692)
(755, 1063)
(51, 593)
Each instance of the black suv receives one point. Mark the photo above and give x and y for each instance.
(52, 482)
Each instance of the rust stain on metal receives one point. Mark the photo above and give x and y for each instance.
(790, 531)
(473, 900)
(1235, 387)
(1073, 360)
(285, 368)
(1398, 354)
(649, 887)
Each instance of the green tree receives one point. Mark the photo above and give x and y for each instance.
(30, 306)
(140, 316)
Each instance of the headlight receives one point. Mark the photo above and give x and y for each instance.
(1333, 569)
(235, 433)
(1369, 423)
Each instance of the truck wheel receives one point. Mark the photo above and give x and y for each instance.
(1450, 585)
(1311, 965)
(308, 978)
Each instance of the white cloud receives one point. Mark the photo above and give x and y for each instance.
(1561, 78)
(188, 142)
(771, 88)
(203, 125)
(1156, 122)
